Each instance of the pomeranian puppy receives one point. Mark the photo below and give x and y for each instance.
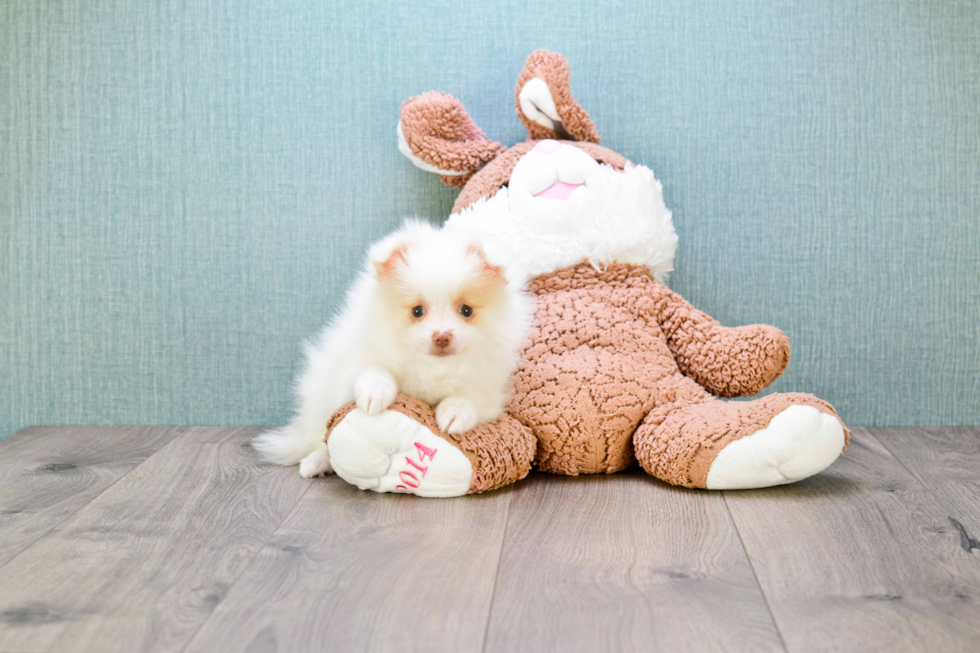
(429, 317)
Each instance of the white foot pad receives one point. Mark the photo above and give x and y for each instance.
(392, 452)
(799, 442)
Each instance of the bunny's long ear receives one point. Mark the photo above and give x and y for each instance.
(437, 134)
(545, 103)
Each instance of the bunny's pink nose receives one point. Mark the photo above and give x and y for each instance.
(547, 146)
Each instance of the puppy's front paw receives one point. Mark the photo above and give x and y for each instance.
(456, 415)
(316, 464)
(374, 391)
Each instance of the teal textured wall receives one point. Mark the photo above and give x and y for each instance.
(186, 187)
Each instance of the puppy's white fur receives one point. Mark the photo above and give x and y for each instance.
(375, 347)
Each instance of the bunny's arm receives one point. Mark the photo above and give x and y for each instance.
(726, 361)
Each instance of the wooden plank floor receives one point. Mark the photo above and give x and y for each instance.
(176, 539)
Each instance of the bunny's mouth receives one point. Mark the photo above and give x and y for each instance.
(557, 191)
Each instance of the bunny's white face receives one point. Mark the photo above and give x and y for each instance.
(556, 185)
(613, 216)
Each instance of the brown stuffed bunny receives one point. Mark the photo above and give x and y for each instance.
(617, 368)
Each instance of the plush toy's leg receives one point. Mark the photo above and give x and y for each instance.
(402, 450)
(719, 445)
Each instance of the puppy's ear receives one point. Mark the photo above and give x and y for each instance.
(485, 269)
(545, 104)
(388, 267)
(387, 255)
(437, 134)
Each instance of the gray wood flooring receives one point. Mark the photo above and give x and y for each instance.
(177, 539)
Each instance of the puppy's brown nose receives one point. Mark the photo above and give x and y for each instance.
(442, 338)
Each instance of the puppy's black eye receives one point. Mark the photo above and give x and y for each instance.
(465, 311)
(418, 312)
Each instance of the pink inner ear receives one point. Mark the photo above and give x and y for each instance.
(558, 191)
(486, 268)
(387, 268)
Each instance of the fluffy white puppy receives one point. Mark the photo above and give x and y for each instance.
(429, 317)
